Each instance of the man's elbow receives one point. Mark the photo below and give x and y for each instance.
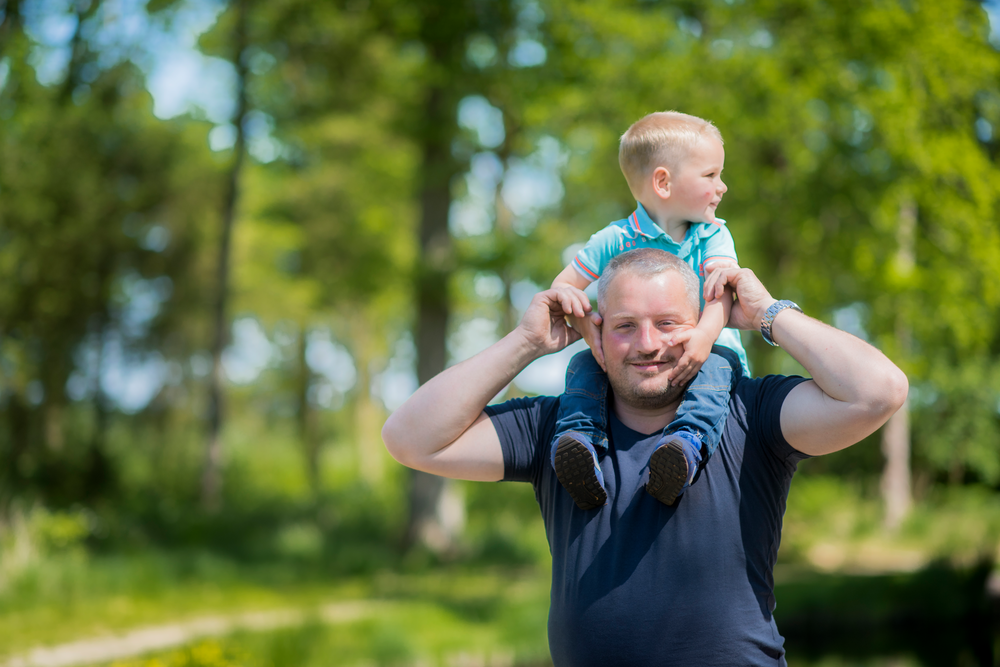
(393, 435)
(892, 387)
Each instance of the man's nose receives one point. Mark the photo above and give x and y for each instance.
(648, 339)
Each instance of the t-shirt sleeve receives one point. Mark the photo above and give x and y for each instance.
(525, 426)
(767, 400)
(600, 249)
(720, 245)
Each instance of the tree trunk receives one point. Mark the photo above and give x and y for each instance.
(434, 521)
(99, 474)
(896, 474)
(896, 485)
(307, 416)
(10, 24)
(368, 419)
(211, 480)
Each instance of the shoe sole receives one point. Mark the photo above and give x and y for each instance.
(574, 467)
(668, 471)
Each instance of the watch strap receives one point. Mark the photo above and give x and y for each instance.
(770, 314)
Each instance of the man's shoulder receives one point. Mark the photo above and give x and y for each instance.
(521, 403)
(756, 408)
(771, 387)
(523, 425)
(525, 417)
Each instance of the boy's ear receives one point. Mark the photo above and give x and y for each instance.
(661, 182)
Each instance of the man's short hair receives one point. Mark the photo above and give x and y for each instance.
(664, 138)
(645, 263)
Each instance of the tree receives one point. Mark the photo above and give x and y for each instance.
(211, 480)
(81, 250)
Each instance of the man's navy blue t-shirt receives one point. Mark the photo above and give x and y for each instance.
(639, 583)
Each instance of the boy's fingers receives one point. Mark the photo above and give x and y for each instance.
(678, 338)
(683, 375)
(677, 370)
(714, 286)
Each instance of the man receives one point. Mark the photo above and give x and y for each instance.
(637, 582)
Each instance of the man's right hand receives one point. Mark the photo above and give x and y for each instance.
(589, 328)
(442, 429)
(544, 323)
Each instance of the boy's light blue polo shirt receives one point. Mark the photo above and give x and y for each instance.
(702, 243)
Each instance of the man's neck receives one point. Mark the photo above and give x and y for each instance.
(676, 228)
(647, 421)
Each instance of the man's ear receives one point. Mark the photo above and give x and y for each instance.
(661, 182)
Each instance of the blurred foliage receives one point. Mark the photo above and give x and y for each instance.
(864, 184)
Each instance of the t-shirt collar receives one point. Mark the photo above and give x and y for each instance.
(644, 224)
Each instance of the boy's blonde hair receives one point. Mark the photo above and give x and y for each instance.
(663, 138)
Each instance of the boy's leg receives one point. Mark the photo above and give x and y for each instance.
(581, 430)
(694, 434)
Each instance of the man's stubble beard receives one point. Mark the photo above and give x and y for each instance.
(631, 394)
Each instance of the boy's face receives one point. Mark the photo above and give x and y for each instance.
(697, 188)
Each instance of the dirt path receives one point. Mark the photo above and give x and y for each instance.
(160, 637)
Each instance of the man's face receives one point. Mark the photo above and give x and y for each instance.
(697, 188)
(641, 315)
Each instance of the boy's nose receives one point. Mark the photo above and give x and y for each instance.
(723, 188)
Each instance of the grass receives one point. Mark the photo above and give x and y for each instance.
(75, 573)
(74, 595)
(433, 616)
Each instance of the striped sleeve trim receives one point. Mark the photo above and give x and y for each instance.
(716, 258)
(583, 270)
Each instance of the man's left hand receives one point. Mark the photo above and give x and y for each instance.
(752, 298)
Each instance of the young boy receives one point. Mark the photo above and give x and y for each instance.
(673, 164)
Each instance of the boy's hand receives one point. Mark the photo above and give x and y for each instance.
(697, 346)
(575, 302)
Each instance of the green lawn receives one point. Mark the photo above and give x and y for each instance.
(440, 611)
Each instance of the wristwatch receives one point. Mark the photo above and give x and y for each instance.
(770, 314)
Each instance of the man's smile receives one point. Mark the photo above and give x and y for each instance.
(648, 365)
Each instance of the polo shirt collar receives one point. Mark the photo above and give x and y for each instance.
(644, 224)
